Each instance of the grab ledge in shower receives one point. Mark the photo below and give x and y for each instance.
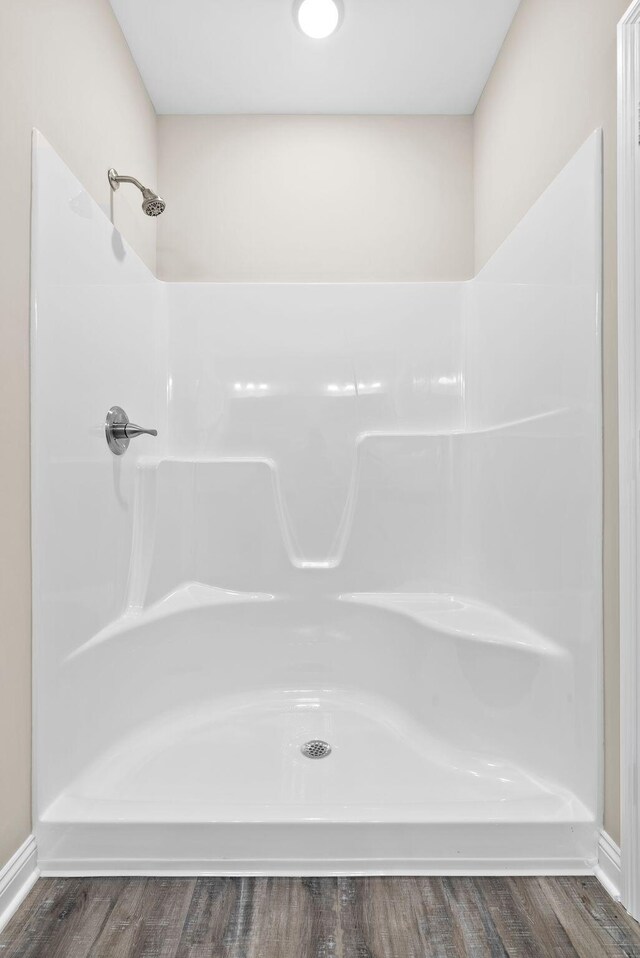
(301, 547)
(460, 617)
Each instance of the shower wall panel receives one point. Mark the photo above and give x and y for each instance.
(533, 507)
(97, 340)
(315, 388)
(371, 518)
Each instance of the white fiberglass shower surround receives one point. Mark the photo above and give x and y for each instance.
(371, 517)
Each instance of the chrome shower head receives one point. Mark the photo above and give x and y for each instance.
(152, 204)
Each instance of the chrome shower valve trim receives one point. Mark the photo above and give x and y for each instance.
(119, 431)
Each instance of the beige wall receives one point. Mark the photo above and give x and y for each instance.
(65, 69)
(317, 198)
(553, 83)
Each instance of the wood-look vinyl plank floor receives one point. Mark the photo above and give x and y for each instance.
(320, 918)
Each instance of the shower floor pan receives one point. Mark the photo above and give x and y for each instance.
(454, 746)
(233, 794)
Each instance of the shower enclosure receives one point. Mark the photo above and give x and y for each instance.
(371, 518)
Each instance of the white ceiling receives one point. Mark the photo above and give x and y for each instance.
(248, 56)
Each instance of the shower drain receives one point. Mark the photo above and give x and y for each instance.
(316, 749)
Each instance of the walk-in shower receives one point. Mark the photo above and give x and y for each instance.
(343, 613)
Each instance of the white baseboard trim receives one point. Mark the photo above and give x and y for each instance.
(608, 870)
(17, 878)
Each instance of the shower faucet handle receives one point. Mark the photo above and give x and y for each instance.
(131, 431)
(120, 431)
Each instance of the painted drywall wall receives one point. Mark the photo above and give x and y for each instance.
(64, 68)
(554, 82)
(315, 198)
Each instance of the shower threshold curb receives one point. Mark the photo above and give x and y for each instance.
(317, 848)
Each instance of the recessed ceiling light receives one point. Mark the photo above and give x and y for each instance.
(318, 19)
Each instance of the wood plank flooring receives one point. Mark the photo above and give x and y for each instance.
(320, 918)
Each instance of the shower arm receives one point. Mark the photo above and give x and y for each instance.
(116, 179)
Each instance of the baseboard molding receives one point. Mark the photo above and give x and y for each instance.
(17, 878)
(608, 870)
